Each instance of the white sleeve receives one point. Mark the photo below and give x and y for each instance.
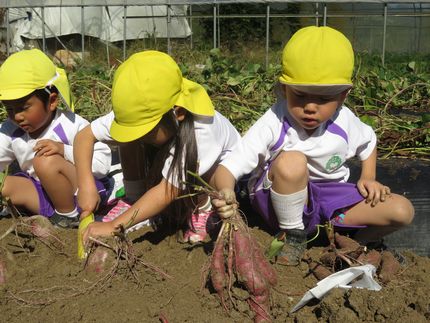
(102, 158)
(101, 127)
(6, 153)
(253, 147)
(102, 154)
(362, 138)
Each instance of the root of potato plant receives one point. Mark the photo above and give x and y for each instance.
(109, 258)
(344, 252)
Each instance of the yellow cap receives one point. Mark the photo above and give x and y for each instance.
(317, 56)
(30, 70)
(145, 87)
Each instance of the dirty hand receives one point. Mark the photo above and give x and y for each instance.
(97, 229)
(373, 191)
(88, 200)
(48, 147)
(227, 205)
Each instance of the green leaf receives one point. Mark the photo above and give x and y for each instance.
(232, 81)
(371, 121)
(425, 117)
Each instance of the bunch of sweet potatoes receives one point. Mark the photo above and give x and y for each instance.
(344, 252)
(237, 260)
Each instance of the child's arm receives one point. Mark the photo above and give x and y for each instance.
(83, 147)
(371, 189)
(224, 182)
(150, 204)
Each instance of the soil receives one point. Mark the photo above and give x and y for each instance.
(44, 285)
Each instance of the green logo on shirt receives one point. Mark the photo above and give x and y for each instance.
(333, 163)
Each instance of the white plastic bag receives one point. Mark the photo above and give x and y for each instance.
(363, 276)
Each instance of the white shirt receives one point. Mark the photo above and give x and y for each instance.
(16, 144)
(215, 138)
(327, 149)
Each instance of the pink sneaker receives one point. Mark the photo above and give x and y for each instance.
(198, 227)
(119, 209)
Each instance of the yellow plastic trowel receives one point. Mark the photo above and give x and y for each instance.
(82, 226)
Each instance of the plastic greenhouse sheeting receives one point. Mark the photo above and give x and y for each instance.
(104, 22)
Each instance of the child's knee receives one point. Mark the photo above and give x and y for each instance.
(290, 166)
(402, 211)
(45, 164)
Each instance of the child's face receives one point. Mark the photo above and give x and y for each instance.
(158, 136)
(310, 110)
(31, 114)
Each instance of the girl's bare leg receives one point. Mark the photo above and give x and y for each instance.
(58, 178)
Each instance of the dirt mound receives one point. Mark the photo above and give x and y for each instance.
(43, 284)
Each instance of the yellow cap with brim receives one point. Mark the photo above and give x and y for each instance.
(29, 70)
(145, 87)
(319, 56)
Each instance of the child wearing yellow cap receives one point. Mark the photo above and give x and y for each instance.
(296, 153)
(173, 118)
(39, 136)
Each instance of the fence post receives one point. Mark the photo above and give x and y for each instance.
(82, 32)
(267, 34)
(124, 40)
(384, 34)
(169, 20)
(214, 25)
(7, 33)
(42, 9)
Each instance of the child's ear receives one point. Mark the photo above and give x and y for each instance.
(179, 113)
(53, 101)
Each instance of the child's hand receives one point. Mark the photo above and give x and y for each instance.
(48, 147)
(227, 205)
(373, 191)
(97, 229)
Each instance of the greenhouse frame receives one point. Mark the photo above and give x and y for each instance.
(368, 23)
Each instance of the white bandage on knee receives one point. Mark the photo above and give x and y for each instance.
(134, 189)
(289, 208)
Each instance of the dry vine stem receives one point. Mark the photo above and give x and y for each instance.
(237, 261)
(98, 252)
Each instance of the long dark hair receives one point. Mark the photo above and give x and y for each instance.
(184, 159)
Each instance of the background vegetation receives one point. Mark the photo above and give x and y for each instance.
(394, 99)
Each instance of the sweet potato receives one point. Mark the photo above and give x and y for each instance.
(320, 272)
(260, 306)
(328, 258)
(372, 257)
(97, 260)
(389, 267)
(217, 270)
(246, 268)
(264, 266)
(345, 243)
(41, 228)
